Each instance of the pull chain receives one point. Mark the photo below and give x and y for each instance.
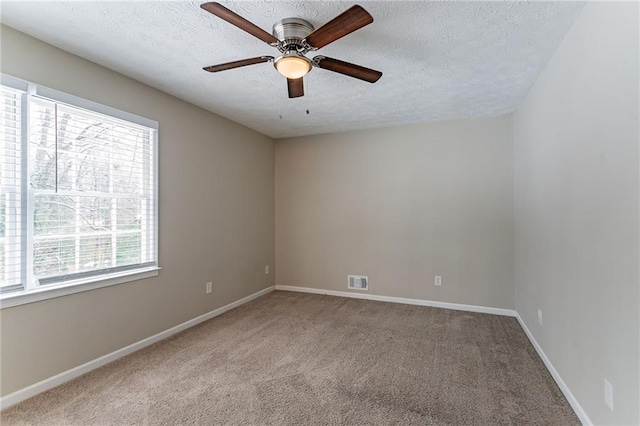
(306, 98)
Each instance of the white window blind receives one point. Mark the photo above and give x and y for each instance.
(10, 190)
(78, 193)
(93, 192)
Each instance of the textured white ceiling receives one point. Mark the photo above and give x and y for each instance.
(441, 60)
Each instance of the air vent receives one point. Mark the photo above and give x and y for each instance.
(357, 282)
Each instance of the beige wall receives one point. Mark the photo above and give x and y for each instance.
(216, 224)
(576, 191)
(400, 205)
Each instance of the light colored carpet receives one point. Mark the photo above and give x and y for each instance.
(292, 358)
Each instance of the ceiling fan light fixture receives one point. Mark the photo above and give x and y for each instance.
(294, 38)
(292, 65)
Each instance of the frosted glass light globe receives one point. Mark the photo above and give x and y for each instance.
(293, 66)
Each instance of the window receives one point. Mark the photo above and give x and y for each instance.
(77, 191)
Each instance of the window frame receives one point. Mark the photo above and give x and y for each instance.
(30, 292)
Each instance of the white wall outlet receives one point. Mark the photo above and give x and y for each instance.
(608, 394)
(266, 270)
(209, 287)
(540, 316)
(438, 280)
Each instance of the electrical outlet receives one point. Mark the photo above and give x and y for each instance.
(438, 280)
(539, 316)
(209, 287)
(266, 270)
(608, 394)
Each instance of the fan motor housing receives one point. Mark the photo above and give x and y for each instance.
(291, 31)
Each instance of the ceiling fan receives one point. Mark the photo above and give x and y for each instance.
(294, 37)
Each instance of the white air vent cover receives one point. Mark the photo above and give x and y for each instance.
(357, 282)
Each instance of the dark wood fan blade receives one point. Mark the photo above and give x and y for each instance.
(296, 87)
(352, 70)
(234, 19)
(352, 19)
(238, 64)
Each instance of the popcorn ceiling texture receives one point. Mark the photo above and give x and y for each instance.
(441, 60)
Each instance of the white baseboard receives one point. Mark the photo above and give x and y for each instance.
(65, 376)
(582, 415)
(403, 300)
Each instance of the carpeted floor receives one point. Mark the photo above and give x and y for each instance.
(297, 359)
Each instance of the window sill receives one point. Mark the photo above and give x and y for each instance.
(76, 286)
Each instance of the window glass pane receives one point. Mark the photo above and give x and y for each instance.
(128, 249)
(129, 214)
(93, 191)
(75, 234)
(42, 145)
(70, 255)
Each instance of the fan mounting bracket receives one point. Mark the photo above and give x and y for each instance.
(292, 33)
